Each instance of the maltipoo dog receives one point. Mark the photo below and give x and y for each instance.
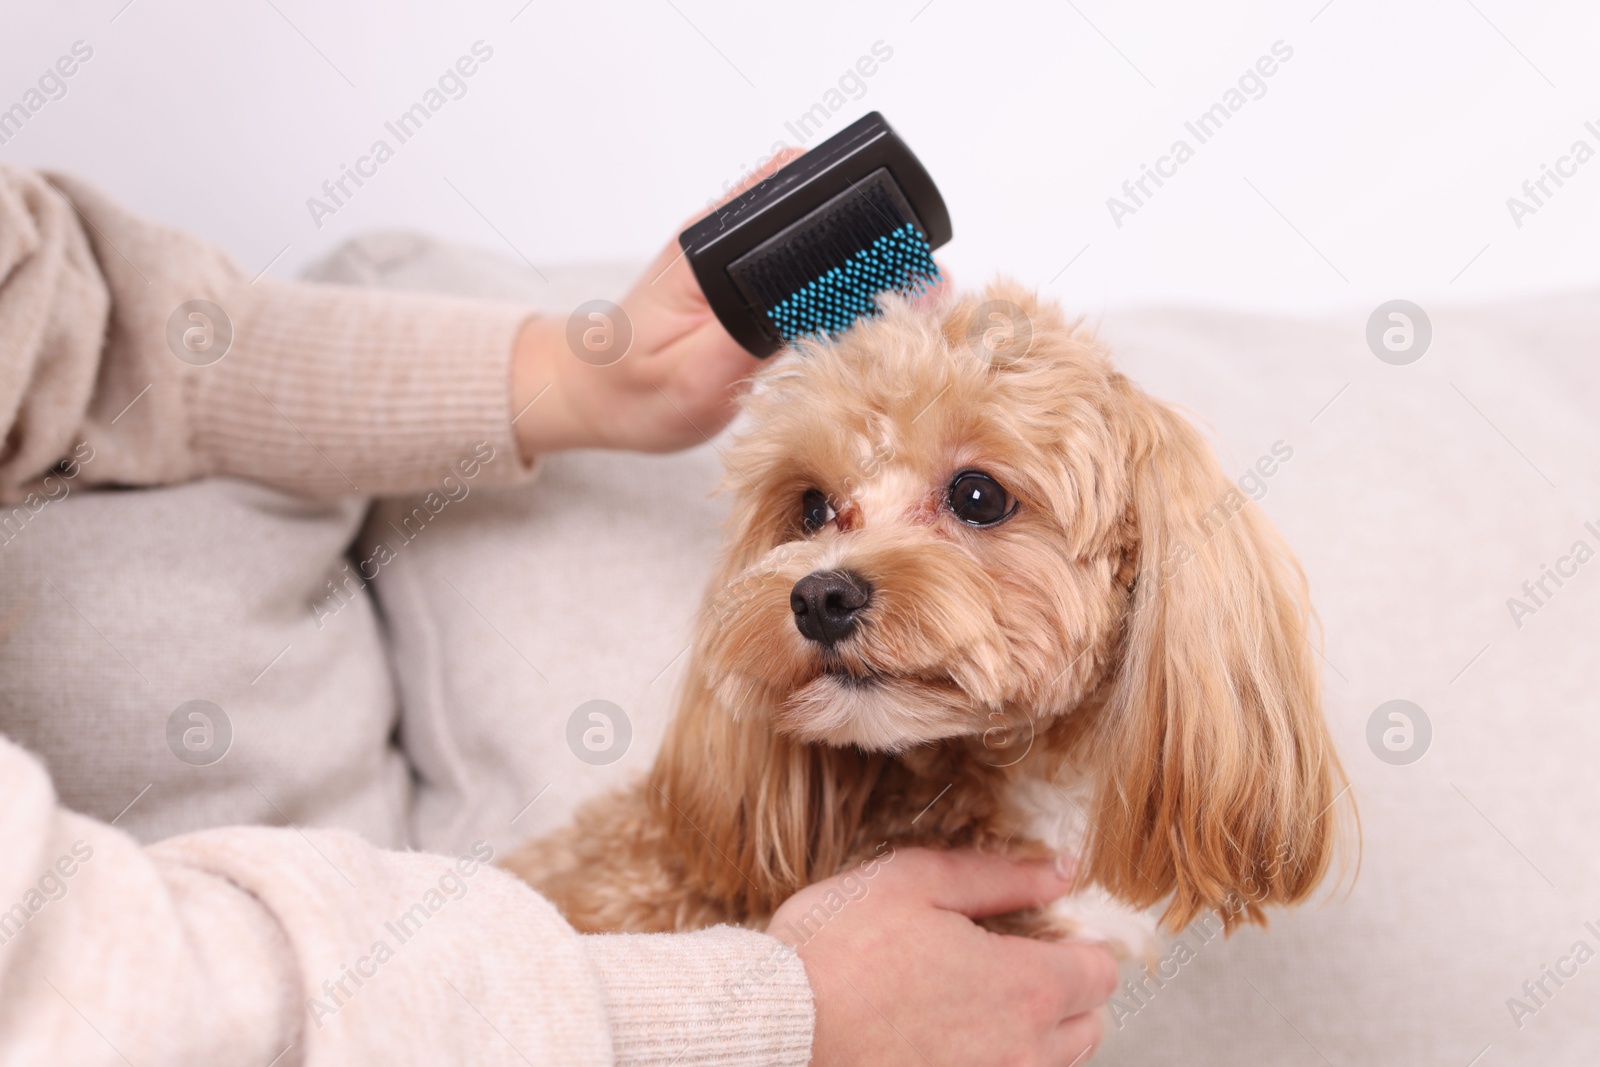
(978, 590)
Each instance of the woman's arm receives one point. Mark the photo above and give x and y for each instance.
(281, 947)
(245, 944)
(152, 352)
(316, 389)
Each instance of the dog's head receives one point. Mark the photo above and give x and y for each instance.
(948, 524)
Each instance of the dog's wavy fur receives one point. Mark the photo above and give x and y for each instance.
(1131, 649)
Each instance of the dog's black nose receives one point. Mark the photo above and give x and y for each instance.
(826, 603)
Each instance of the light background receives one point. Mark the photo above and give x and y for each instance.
(1377, 165)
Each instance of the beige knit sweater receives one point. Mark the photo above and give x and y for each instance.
(258, 946)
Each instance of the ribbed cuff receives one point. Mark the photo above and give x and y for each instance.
(715, 998)
(331, 391)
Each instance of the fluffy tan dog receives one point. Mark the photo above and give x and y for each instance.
(979, 590)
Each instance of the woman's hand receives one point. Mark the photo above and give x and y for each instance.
(901, 974)
(675, 385)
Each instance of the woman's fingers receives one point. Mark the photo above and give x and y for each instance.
(978, 885)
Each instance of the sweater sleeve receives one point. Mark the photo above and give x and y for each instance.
(722, 997)
(284, 947)
(149, 357)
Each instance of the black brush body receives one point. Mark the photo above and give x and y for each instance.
(808, 250)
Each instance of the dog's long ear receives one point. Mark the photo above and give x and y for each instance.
(1220, 777)
(751, 814)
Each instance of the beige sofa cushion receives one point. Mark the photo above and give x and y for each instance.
(121, 609)
(515, 607)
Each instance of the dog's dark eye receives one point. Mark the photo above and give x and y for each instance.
(979, 500)
(815, 511)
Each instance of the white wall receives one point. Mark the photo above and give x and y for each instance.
(1390, 141)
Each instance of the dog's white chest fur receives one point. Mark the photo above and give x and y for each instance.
(1058, 817)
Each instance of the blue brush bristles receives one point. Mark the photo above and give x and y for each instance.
(900, 261)
(808, 251)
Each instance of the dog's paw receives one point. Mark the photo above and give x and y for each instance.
(1043, 924)
(1090, 917)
